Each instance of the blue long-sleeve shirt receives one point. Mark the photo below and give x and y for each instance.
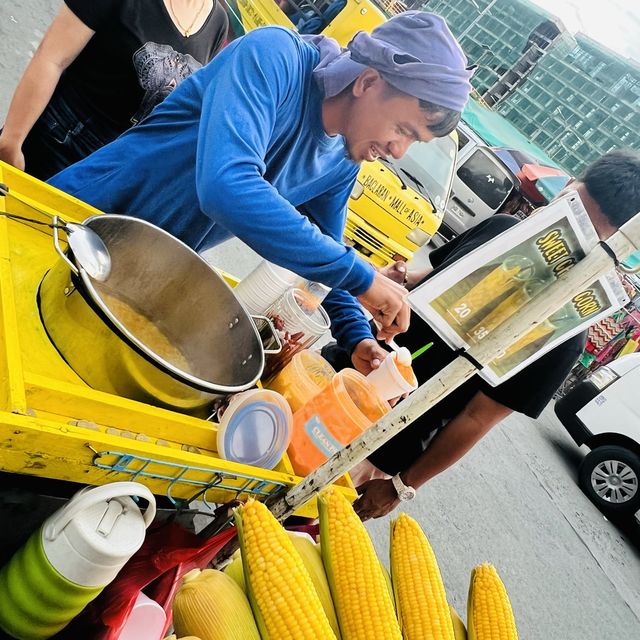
(239, 149)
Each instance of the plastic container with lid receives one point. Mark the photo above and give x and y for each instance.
(255, 428)
(348, 406)
(300, 322)
(303, 378)
(71, 558)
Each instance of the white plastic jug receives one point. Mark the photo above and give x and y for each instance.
(71, 558)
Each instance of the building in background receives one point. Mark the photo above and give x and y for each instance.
(571, 96)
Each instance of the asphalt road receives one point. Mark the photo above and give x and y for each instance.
(513, 501)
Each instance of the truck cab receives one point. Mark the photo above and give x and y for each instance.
(397, 206)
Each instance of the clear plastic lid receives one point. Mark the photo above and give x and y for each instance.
(254, 433)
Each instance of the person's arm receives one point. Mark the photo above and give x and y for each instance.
(454, 440)
(238, 117)
(64, 40)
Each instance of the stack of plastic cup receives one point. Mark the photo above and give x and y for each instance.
(394, 377)
(263, 286)
(299, 325)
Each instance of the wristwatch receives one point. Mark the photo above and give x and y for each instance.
(404, 492)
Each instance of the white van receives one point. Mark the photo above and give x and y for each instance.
(603, 413)
(482, 183)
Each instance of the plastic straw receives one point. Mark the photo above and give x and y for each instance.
(421, 350)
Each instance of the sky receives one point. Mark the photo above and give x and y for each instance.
(614, 23)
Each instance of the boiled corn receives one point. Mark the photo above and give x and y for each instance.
(284, 600)
(310, 554)
(211, 606)
(489, 615)
(361, 597)
(421, 600)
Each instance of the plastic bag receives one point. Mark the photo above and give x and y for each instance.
(169, 551)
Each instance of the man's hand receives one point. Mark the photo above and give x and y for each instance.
(11, 154)
(377, 498)
(385, 300)
(399, 273)
(367, 356)
(396, 272)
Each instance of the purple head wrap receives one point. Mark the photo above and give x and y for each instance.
(415, 52)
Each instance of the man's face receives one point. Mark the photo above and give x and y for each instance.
(381, 122)
(601, 224)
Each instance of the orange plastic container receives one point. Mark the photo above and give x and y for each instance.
(303, 378)
(348, 406)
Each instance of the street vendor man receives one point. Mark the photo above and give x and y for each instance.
(265, 143)
(610, 192)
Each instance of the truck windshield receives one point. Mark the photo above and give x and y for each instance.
(427, 167)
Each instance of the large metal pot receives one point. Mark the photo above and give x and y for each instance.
(163, 328)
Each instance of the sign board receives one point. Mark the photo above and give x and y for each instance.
(470, 298)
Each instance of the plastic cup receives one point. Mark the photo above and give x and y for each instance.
(393, 379)
(263, 286)
(145, 622)
(298, 325)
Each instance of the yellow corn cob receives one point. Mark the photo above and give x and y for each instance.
(459, 630)
(210, 604)
(360, 594)
(489, 615)
(420, 597)
(284, 600)
(310, 554)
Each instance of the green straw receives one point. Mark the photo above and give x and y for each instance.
(421, 350)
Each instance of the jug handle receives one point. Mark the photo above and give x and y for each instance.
(55, 225)
(274, 334)
(87, 498)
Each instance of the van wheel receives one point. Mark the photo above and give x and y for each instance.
(610, 476)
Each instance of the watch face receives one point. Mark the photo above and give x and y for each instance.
(407, 494)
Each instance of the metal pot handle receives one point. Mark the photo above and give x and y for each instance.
(274, 334)
(56, 243)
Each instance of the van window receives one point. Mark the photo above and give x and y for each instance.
(486, 179)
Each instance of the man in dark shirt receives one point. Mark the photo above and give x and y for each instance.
(610, 192)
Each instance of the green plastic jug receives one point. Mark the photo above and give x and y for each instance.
(71, 558)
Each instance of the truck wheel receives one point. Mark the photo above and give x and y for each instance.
(610, 477)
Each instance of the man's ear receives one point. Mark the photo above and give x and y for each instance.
(367, 80)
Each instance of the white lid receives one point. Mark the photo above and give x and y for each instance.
(255, 429)
(90, 539)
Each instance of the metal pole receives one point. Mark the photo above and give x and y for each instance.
(597, 263)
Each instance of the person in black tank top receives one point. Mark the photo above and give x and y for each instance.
(102, 67)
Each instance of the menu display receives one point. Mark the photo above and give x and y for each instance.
(471, 298)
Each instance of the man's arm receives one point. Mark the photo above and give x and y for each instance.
(239, 115)
(378, 497)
